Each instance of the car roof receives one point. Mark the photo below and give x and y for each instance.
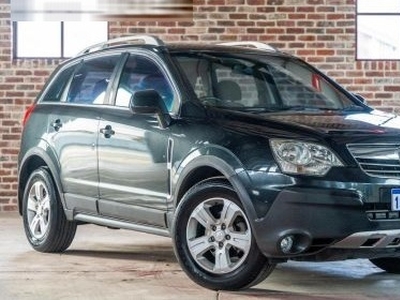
(151, 42)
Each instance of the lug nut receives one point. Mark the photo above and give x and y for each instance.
(223, 227)
(220, 244)
(213, 228)
(227, 237)
(212, 239)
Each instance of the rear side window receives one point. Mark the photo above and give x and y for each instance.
(90, 81)
(57, 86)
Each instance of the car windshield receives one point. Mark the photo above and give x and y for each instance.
(260, 83)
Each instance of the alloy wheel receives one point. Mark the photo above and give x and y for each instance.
(218, 235)
(38, 209)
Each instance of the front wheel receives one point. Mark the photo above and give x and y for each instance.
(45, 224)
(213, 239)
(388, 264)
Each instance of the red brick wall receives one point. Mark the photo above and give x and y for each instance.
(320, 31)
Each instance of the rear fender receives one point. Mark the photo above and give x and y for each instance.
(42, 155)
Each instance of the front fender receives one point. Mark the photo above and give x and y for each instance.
(223, 161)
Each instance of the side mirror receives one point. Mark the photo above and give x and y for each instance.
(149, 102)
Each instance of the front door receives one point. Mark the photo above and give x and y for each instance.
(133, 150)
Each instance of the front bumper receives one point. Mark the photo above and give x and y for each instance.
(325, 224)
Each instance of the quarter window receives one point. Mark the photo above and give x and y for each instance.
(55, 91)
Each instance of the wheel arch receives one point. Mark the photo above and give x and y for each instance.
(207, 163)
(255, 266)
(34, 159)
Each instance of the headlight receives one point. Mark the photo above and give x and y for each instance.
(296, 157)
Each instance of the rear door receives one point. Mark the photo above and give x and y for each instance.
(73, 130)
(133, 149)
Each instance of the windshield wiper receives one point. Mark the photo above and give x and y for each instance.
(349, 108)
(353, 108)
(279, 108)
(302, 108)
(293, 108)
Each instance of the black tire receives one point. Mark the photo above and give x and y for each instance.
(240, 264)
(45, 224)
(388, 264)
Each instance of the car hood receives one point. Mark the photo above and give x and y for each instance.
(362, 122)
(314, 123)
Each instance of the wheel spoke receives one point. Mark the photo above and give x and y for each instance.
(222, 261)
(35, 225)
(199, 246)
(240, 240)
(31, 204)
(43, 224)
(38, 191)
(46, 203)
(203, 216)
(228, 213)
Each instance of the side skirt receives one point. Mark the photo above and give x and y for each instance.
(120, 224)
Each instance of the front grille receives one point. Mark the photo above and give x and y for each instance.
(378, 160)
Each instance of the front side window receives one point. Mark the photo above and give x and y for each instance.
(91, 79)
(141, 73)
(259, 83)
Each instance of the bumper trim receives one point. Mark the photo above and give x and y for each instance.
(370, 240)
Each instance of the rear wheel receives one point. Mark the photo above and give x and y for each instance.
(388, 264)
(213, 239)
(45, 224)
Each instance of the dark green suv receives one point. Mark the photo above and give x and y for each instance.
(246, 156)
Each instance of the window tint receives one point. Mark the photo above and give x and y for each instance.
(56, 89)
(141, 73)
(91, 79)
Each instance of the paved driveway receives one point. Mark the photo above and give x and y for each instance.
(118, 264)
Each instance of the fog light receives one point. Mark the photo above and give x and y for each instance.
(287, 244)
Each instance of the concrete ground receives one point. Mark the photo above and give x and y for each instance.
(119, 264)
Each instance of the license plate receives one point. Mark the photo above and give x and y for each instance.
(396, 199)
